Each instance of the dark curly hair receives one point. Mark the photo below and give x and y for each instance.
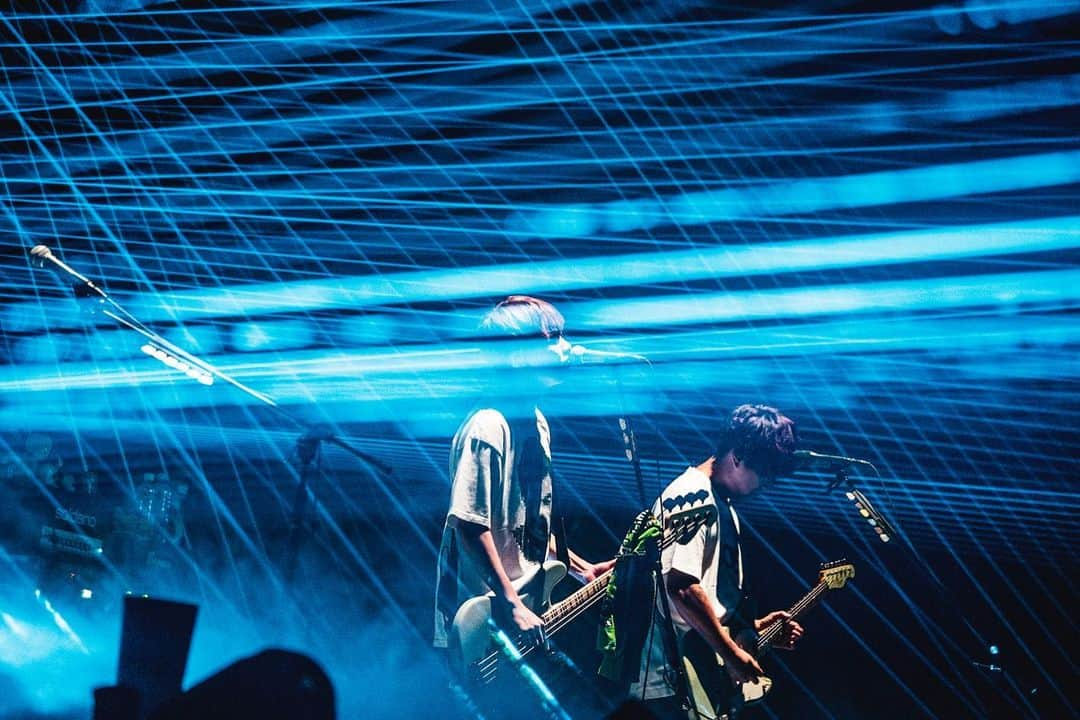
(763, 438)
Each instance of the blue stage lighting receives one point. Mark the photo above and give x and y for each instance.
(280, 335)
(819, 194)
(859, 250)
(865, 215)
(1054, 288)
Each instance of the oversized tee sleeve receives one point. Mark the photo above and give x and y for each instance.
(477, 469)
(689, 557)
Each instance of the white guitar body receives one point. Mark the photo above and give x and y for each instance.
(709, 686)
(751, 692)
(470, 635)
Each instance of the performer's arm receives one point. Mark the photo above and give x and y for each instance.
(581, 567)
(694, 605)
(479, 543)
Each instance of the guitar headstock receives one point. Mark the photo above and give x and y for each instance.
(679, 526)
(682, 524)
(835, 574)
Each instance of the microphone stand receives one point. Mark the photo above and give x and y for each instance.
(668, 636)
(876, 520)
(87, 290)
(307, 452)
(885, 532)
(307, 446)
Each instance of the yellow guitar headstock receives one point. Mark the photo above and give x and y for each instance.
(835, 574)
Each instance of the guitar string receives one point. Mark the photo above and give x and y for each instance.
(766, 638)
(555, 619)
(591, 595)
(559, 618)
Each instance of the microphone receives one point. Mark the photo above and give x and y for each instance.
(809, 458)
(41, 256)
(839, 464)
(585, 356)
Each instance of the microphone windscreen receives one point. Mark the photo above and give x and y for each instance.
(40, 253)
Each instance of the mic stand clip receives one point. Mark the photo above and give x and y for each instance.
(841, 478)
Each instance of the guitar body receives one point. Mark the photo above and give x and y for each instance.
(470, 635)
(711, 690)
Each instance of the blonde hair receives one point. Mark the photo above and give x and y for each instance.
(523, 316)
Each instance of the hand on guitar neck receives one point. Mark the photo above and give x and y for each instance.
(595, 570)
(788, 634)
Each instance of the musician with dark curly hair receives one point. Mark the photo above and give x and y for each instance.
(703, 576)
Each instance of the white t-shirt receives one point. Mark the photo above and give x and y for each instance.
(699, 556)
(501, 479)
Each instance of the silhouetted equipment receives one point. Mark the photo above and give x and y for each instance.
(116, 702)
(273, 685)
(631, 710)
(154, 646)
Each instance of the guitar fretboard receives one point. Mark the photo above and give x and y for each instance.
(807, 602)
(560, 615)
(571, 607)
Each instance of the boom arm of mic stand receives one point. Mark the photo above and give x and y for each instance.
(882, 527)
(188, 357)
(130, 322)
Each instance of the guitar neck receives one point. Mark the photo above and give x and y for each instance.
(561, 614)
(565, 611)
(568, 609)
(800, 608)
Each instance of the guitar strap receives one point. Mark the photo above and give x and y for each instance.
(671, 645)
(562, 550)
(729, 590)
(532, 467)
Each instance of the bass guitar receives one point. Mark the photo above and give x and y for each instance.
(712, 692)
(471, 649)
